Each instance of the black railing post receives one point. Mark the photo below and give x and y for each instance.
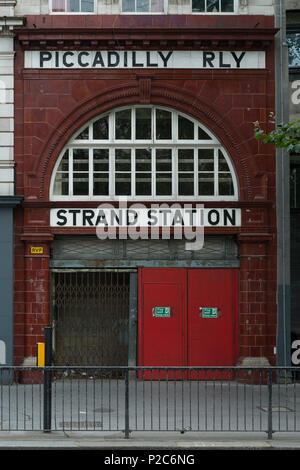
(126, 404)
(47, 379)
(270, 424)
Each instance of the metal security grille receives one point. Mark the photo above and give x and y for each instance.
(88, 251)
(90, 317)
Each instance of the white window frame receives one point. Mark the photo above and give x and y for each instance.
(234, 12)
(164, 12)
(94, 12)
(175, 144)
(182, 10)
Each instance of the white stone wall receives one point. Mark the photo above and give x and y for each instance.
(250, 7)
(6, 101)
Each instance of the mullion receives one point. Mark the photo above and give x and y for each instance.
(216, 172)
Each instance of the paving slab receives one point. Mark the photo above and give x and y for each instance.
(151, 440)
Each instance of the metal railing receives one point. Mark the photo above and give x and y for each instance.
(132, 399)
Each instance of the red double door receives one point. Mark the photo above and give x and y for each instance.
(188, 317)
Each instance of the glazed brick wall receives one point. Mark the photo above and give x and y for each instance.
(51, 105)
(258, 309)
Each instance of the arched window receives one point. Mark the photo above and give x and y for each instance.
(144, 153)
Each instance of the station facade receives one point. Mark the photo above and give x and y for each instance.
(145, 115)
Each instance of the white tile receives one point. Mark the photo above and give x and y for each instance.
(6, 138)
(7, 189)
(6, 153)
(6, 44)
(7, 80)
(6, 175)
(6, 110)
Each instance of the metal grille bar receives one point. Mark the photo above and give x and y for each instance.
(90, 317)
(132, 399)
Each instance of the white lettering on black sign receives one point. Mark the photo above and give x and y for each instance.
(145, 59)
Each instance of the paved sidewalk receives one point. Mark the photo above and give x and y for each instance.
(146, 441)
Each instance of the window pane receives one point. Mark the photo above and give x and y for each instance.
(101, 160)
(157, 6)
(163, 125)
(61, 185)
(213, 5)
(143, 160)
(198, 5)
(295, 186)
(186, 184)
(80, 160)
(87, 5)
(143, 185)
(185, 128)
(123, 124)
(225, 185)
(186, 172)
(202, 135)
(123, 184)
(80, 184)
(100, 129)
(84, 135)
(163, 160)
(225, 178)
(73, 5)
(163, 184)
(164, 172)
(128, 5)
(205, 159)
(223, 165)
(227, 5)
(123, 160)
(143, 123)
(142, 5)
(64, 164)
(123, 172)
(293, 41)
(143, 175)
(101, 185)
(185, 160)
(206, 184)
(58, 5)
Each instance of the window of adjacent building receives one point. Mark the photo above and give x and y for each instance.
(140, 6)
(72, 6)
(143, 6)
(144, 153)
(295, 184)
(293, 41)
(213, 6)
(195, 6)
(293, 37)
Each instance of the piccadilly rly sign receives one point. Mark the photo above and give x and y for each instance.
(102, 59)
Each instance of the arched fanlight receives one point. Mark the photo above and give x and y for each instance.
(144, 153)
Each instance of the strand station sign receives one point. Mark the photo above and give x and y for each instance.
(136, 222)
(104, 216)
(102, 59)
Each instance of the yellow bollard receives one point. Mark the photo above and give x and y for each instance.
(41, 354)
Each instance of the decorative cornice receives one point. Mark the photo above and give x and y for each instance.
(36, 237)
(255, 237)
(10, 201)
(8, 23)
(149, 38)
